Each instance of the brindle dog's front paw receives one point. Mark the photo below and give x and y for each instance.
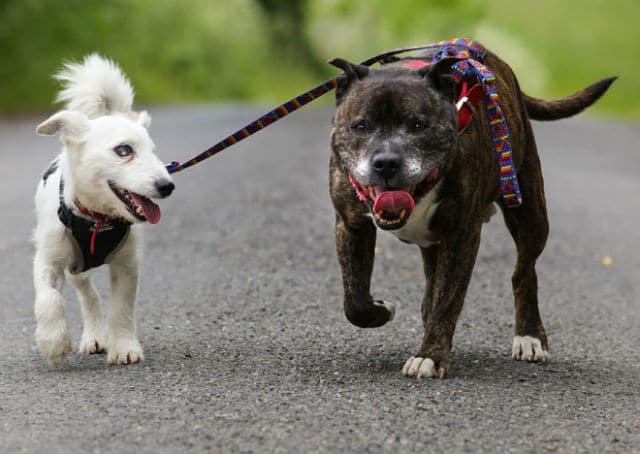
(417, 366)
(374, 315)
(529, 348)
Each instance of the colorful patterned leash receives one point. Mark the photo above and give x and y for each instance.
(470, 69)
(284, 109)
(257, 125)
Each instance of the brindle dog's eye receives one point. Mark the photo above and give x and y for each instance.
(418, 126)
(123, 151)
(359, 126)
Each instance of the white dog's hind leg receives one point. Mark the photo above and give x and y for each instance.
(94, 337)
(52, 334)
(123, 346)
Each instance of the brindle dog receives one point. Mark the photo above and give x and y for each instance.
(398, 162)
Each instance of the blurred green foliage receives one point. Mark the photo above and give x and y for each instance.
(270, 50)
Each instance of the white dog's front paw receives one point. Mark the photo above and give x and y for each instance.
(419, 367)
(92, 343)
(54, 342)
(528, 348)
(124, 351)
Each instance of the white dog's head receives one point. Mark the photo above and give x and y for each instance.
(112, 167)
(112, 164)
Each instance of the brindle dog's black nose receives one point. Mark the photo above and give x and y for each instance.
(165, 188)
(386, 165)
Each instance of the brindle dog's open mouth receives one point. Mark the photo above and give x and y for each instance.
(140, 207)
(392, 207)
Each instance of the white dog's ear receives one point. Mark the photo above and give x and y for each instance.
(144, 119)
(70, 124)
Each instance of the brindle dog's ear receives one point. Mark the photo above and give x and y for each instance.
(352, 72)
(439, 74)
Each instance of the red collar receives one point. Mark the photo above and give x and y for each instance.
(98, 219)
(415, 63)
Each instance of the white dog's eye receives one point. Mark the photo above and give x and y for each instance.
(123, 151)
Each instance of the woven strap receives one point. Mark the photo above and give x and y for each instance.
(474, 70)
(267, 119)
(474, 50)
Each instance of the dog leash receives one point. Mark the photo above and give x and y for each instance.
(469, 71)
(294, 104)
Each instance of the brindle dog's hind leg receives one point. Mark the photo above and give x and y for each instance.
(529, 228)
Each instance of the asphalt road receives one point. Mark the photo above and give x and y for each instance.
(247, 349)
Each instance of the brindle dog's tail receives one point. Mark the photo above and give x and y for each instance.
(546, 110)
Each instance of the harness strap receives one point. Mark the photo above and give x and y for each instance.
(470, 71)
(100, 220)
(499, 130)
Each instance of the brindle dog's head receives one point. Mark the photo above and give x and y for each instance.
(394, 133)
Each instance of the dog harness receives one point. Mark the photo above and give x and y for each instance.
(475, 82)
(94, 240)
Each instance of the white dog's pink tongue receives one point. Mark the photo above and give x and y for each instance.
(151, 210)
(394, 201)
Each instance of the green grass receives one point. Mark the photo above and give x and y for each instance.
(219, 50)
(576, 43)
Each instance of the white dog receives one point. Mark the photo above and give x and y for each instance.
(88, 204)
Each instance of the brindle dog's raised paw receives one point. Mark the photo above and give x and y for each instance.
(390, 307)
(373, 315)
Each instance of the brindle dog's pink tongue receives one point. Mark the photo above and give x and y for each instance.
(394, 201)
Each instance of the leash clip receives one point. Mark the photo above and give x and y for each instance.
(171, 168)
(461, 102)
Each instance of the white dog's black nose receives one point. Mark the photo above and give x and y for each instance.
(165, 188)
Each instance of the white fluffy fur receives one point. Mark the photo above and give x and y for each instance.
(80, 80)
(97, 118)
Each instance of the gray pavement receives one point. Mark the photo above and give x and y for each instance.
(247, 349)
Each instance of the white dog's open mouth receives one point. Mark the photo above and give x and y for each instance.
(393, 206)
(140, 207)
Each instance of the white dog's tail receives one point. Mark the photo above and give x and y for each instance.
(95, 87)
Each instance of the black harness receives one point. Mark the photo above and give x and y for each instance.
(107, 237)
